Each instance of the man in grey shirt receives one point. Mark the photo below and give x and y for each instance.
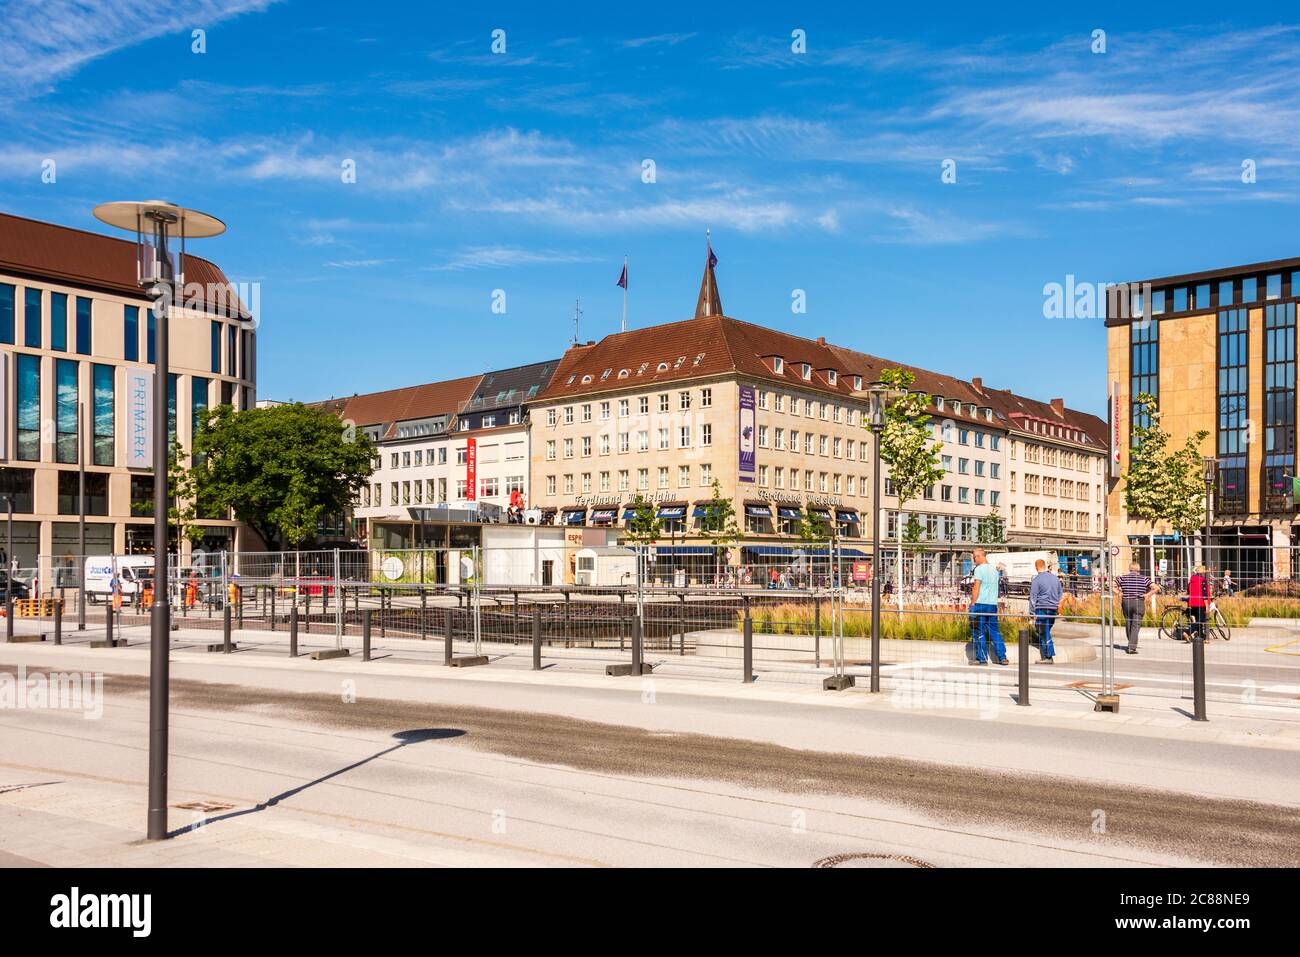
(1134, 590)
(1044, 602)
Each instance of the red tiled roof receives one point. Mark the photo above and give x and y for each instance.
(1020, 410)
(402, 405)
(694, 348)
(75, 257)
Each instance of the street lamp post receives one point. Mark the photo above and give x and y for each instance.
(154, 223)
(1209, 466)
(878, 393)
(81, 516)
(10, 564)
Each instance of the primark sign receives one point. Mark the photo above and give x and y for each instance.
(139, 418)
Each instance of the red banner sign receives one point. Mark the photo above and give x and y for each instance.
(471, 471)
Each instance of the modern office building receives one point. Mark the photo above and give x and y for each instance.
(1217, 350)
(77, 343)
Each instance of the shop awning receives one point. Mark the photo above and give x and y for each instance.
(821, 512)
(701, 511)
(628, 514)
(786, 511)
(672, 511)
(574, 516)
(758, 511)
(769, 551)
(846, 514)
(822, 550)
(604, 514)
(673, 550)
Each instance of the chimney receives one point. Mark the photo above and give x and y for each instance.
(821, 340)
(978, 383)
(1058, 406)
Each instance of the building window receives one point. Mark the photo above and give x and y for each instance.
(29, 408)
(232, 352)
(16, 485)
(215, 337)
(7, 293)
(1279, 404)
(32, 318)
(59, 322)
(1144, 370)
(1232, 399)
(84, 345)
(65, 418)
(102, 419)
(149, 336)
(70, 493)
(199, 405)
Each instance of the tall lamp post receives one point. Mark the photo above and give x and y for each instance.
(1209, 466)
(878, 395)
(154, 224)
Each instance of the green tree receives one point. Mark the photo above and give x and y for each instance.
(991, 529)
(1163, 486)
(644, 526)
(718, 523)
(908, 447)
(813, 528)
(280, 469)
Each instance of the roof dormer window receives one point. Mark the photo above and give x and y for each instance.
(857, 383)
(805, 370)
(938, 403)
(832, 376)
(778, 365)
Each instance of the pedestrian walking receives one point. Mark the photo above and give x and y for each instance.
(1198, 599)
(1134, 589)
(1044, 602)
(984, 611)
(1227, 581)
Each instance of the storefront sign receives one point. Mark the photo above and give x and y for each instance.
(746, 432)
(139, 418)
(471, 470)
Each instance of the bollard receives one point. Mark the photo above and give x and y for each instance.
(239, 606)
(274, 623)
(365, 635)
(424, 607)
(9, 611)
(293, 631)
(817, 633)
(681, 621)
(447, 638)
(749, 646)
(58, 622)
(637, 637)
(1022, 695)
(537, 637)
(1198, 678)
(225, 630)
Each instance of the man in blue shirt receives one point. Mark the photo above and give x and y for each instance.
(1044, 601)
(984, 610)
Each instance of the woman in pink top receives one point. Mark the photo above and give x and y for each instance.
(1198, 598)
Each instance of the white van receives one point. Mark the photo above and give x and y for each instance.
(131, 569)
(1019, 567)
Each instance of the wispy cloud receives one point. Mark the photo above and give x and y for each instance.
(494, 257)
(45, 42)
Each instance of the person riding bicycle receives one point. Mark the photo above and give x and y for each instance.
(1198, 600)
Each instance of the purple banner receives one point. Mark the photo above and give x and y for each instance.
(746, 434)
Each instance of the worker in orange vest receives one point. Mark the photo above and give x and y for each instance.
(192, 590)
(234, 590)
(146, 594)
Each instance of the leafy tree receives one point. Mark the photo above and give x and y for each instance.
(813, 528)
(906, 446)
(644, 526)
(1162, 486)
(991, 529)
(719, 522)
(280, 469)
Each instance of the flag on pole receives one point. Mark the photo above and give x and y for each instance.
(622, 278)
(713, 259)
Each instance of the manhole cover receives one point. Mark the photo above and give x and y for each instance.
(207, 807)
(872, 860)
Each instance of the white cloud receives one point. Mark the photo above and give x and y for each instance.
(47, 41)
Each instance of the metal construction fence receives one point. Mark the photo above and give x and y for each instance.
(791, 629)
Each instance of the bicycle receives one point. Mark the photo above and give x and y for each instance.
(1177, 623)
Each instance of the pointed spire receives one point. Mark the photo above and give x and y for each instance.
(709, 303)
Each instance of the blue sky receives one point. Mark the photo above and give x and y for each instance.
(523, 171)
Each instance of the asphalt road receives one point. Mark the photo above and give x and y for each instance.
(578, 791)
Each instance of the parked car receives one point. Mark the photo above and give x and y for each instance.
(20, 588)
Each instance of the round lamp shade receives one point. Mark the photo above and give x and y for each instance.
(177, 220)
